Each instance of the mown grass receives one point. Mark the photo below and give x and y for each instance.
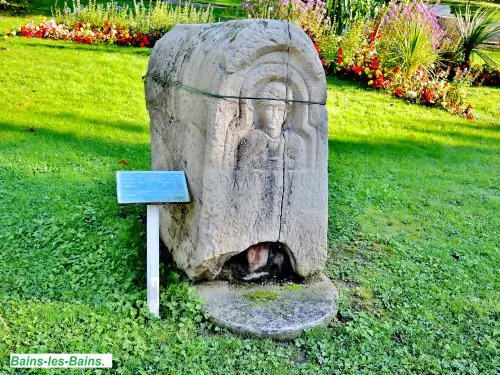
(413, 229)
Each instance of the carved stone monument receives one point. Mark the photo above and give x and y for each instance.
(240, 107)
(256, 168)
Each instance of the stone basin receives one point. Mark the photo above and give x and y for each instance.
(279, 311)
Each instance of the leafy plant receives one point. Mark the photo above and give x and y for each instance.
(406, 71)
(354, 38)
(14, 6)
(342, 12)
(328, 49)
(311, 15)
(410, 50)
(408, 37)
(140, 26)
(158, 15)
(476, 28)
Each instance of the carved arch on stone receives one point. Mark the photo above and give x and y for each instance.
(273, 65)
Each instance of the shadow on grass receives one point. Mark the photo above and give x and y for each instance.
(69, 239)
(458, 132)
(343, 210)
(494, 128)
(68, 45)
(413, 149)
(86, 248)
(348, 183)
(127, 126)
(89, 146)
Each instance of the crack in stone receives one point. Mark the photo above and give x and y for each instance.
(284, 138)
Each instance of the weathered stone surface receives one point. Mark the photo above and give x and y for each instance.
(271, 310)
(256, 169)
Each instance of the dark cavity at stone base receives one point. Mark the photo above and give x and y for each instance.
(280, 311)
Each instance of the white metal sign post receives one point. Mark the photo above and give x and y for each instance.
(152, 188)
(153, 259)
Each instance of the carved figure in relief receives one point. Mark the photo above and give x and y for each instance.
(268, 146)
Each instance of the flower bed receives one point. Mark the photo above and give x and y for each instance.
(400, 53)
(83, 32)
(396, 52)
(479, 75)
(421, 87)
(110, 23)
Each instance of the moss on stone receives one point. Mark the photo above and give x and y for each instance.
(295, 287)
(261, 295)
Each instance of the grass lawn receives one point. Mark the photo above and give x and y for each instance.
(413, 229)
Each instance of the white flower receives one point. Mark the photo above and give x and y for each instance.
(270, 9)
(412, 94)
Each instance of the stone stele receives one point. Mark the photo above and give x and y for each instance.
(239, 106)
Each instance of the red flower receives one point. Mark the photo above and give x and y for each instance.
(25, 32)
(395, 70)
(375, 63)
(339, 60)
(357, 69)
(399, 92)
(377, 83)
(340, 52)
(429, 96)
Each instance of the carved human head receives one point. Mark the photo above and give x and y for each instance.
(270, 115)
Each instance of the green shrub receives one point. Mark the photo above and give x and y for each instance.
(354, 38)
(14, 6)
(335, 49)
(328, 48)
(343, 12)
(408, 37)
(408, 49)
(311, 16)
(158, 15)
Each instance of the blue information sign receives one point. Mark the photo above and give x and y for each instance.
(151, 187)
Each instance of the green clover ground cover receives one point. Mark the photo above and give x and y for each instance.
(413, 232)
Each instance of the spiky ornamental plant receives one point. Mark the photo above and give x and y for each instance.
(408, 37)
(411, 50)
(476, 28)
